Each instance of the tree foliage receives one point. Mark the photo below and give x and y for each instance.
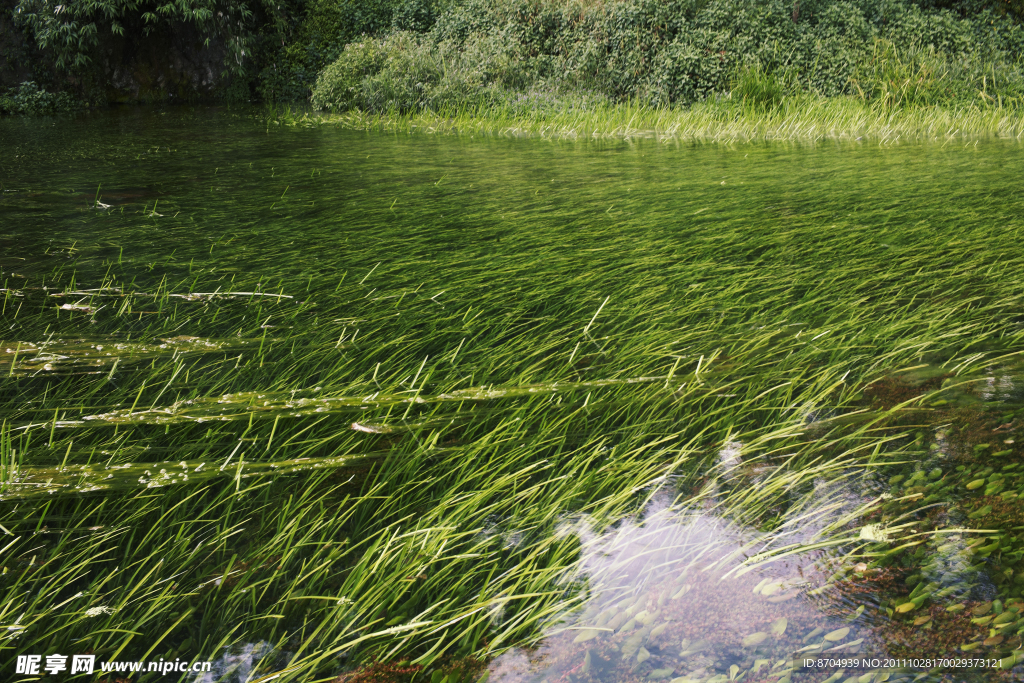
(429, 51)
(72, 30)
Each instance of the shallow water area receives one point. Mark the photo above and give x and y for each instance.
(666, 599)
(682, 595)
(410, 408)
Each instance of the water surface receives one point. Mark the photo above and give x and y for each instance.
(307, 400)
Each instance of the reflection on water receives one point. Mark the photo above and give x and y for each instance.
(998, 388)
(238, 664)
(674, 595)
(683, 596)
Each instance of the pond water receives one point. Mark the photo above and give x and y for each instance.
(309, 403)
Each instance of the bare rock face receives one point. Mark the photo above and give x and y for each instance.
(164, 67)
(17, 52)
(174, 63)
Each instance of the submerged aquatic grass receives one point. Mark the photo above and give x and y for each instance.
(433, 396)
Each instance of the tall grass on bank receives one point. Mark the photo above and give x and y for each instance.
(793, 119)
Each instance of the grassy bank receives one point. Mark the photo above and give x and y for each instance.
(797, 119)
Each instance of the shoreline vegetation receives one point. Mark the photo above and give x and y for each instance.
(798, 119)
(780, 69)
(711, 71)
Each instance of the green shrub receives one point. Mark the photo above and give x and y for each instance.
(399, 73)
(659, 52)
(340, 86)
(322, 31)
(408, 72)
(666, 52)
(32, 100)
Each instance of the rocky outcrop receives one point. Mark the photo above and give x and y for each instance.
(174, 64)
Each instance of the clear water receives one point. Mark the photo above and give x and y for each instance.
(203, 298)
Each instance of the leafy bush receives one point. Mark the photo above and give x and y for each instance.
(408, 72)
(30, 99)
(323, 30)
(682, 51)
(656, 51)
(389, 73)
